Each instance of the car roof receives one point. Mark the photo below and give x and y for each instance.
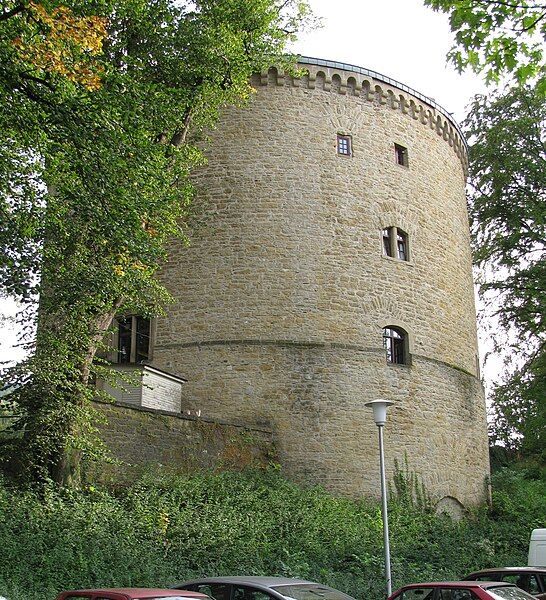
(510, 570)
(267, 582)
(461, 584)
(141, 592)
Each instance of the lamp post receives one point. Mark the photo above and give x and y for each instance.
(380, 417)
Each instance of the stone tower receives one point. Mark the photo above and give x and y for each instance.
(332, 267)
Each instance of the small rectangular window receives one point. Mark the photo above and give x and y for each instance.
(395, 243)
(401, 155)
(344, 145)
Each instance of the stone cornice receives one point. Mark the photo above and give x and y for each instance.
(350, 80)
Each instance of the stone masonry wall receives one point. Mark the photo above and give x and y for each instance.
(144, 439)
(281, 299)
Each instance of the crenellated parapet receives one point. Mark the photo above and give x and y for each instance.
(349, 80)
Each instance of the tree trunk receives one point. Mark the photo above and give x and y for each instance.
(57, 423)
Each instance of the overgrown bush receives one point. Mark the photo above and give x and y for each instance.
(165, 529)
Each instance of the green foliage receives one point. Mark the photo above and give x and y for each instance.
(507, 199)
(498, 38)
(407, 488)
(165, 529)
(100, 128)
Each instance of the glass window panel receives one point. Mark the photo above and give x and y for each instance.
(418, 594)
(387, 242)
(217, 591)
(142, 339)
(402, 244)
(344, 145)
(401, 155)
(247, 593)
(124, 340)
(307, 591)
(394, 343)
(509, 593)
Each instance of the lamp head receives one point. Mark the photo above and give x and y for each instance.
(379, 408)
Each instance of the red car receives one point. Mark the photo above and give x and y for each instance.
(131, 594)
(461, 590)
(530, 579)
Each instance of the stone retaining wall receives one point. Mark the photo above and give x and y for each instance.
(143, 439)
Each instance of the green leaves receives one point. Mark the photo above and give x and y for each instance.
(99, 133)
(498, 38)
(164, 529)
(507, 208)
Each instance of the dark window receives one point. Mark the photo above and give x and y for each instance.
(310, 591)
(525, 581)
(395, 243)
(133, 339)
(401, 155)
(455, 594)
(124, 340)
(344, 145)
(402, 244)
(417, 594)
(248, 593)
(217, 591)
(387, 250)
(142, 349)
(394, 342)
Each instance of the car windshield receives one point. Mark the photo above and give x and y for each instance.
(308, 591)
(509, 592)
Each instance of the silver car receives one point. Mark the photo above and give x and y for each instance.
(262, 588)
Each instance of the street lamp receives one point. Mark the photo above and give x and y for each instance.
(380, 417)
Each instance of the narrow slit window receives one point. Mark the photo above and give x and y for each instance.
(344, 146)
(387, 242)
(401, 155)
(402, 245)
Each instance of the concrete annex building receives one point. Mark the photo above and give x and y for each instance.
(332, 267)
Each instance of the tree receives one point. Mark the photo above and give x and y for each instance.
(498, 37)
(508, 216)
(99, 135)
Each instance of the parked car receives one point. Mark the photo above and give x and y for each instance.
(461, 590)
(130, 594)
(262, 588)
(530, 579)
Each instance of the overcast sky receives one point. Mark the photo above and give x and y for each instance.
(399, 38)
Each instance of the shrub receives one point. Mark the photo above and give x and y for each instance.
(165, 528)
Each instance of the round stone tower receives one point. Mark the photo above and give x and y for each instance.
(331, 266)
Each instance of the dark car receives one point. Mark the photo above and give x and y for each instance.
(461, 590)
(530, 579)
(130, 594)
(262, 588)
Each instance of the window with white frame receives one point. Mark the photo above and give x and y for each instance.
(344, 145)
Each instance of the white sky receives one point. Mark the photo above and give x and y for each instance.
(399, 38)
(402, 39)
